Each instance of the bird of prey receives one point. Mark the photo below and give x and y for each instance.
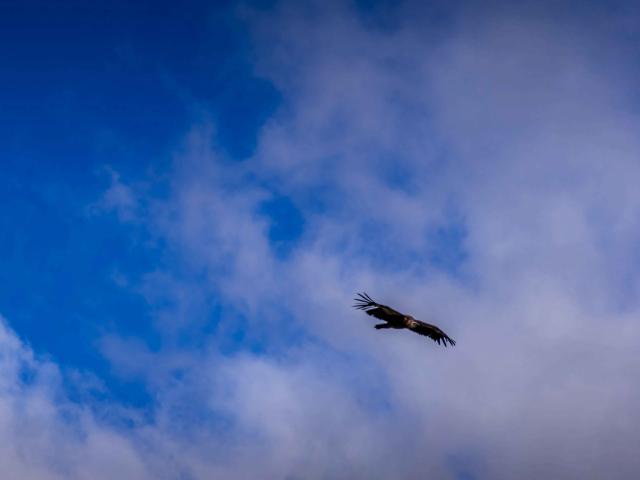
(395, 319)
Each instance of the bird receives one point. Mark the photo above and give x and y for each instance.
(395, 319)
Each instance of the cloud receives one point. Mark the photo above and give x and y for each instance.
(47, 436)
(119, 198)
(513, 121)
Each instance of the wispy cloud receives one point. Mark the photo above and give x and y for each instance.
(47, 436)
(118, 197)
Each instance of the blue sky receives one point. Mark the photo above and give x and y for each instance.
(192, 193)
(91, 89)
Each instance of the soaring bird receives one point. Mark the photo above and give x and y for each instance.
(395, 319)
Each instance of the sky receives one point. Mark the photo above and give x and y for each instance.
(192, 193)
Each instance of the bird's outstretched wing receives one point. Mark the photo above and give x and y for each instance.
(383, 312)
(432, 332)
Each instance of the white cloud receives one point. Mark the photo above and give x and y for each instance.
(517, 123)
(46, 436)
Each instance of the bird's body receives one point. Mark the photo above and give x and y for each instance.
(397, 320)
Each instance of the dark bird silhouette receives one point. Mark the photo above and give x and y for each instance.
(395, 319)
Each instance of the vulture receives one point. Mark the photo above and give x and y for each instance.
(395, 319)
